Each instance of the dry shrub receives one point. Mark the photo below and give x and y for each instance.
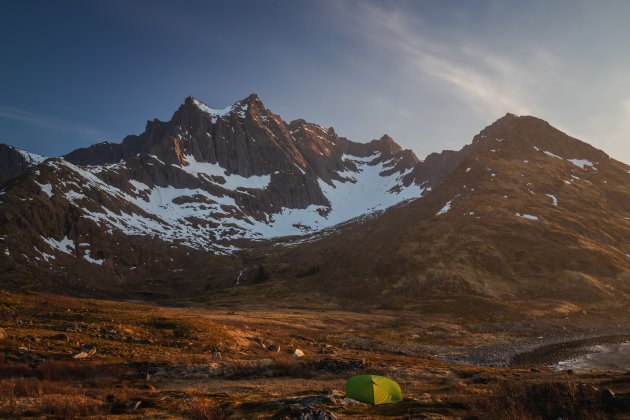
(64, 370)
(201, 409)
(71, 406)
(13, 369)
(177, 327)
(525, 401)
(46, 302)
(279, 366)
(9, 404)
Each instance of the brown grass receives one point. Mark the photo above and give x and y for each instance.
(525, 401)
(202, 409)
(71, 406)
(12, 369)
(279, 366)
(65, 370)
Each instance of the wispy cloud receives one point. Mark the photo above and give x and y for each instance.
(488, 82)
(52, 123)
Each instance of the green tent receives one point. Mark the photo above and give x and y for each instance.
(372, 389)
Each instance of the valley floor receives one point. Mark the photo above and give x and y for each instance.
(147, 361)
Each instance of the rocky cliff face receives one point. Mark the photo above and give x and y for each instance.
(247, 140)
(15, 162)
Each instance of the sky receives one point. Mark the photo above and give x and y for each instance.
(431, 74)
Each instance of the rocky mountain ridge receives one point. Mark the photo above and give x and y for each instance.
(212, 196)
(206, 182)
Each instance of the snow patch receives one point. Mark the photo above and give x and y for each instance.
(65, 245)
(88, 258)
(553, 197)
(527, 216)
(446, 208)
(233, 181)
(47, 188)
(31, 158)
(552, 155)
(582, 163)
(217, 113)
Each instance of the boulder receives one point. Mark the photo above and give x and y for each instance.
(60, 337)
(273, 347)
(298, 353)
(296, 411)
(3, 334)
(84, 353)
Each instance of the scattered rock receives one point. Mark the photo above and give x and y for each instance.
(607, 394)
(338, 366)
(297, 412)
(84, 353)
(331, 397)
(298, 353)
(273, 347)
(60, 337)
(134, 405)
(147, 387)
(316, 414)
(424, 398)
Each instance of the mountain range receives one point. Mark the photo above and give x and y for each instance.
(215, 197)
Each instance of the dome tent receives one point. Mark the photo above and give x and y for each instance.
(373, 389)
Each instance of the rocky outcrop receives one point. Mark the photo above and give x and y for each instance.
(248, 140)
(15, 162)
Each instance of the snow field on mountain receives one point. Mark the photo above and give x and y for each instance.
(31, 158)
(368, 193)
(233, 181)
(216, 113)
(362, 192)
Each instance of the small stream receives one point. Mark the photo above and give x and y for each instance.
(606, 357)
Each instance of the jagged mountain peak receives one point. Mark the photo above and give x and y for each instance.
(209, 177)
(251, 103)
(522, 136)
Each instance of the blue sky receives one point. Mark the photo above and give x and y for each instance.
(430, 74)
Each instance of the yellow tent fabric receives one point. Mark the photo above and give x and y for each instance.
(373, 389)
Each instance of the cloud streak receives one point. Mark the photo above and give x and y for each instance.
(482, 79)
(52, 123)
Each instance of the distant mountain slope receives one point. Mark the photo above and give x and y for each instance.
(529, 212)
